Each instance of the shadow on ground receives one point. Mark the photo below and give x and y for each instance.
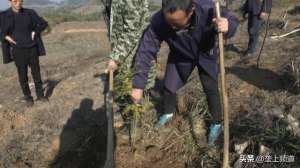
(50, 85)
(83, 139)
(262, 78)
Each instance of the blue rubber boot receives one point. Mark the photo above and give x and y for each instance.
(165, 118)
(214, 133)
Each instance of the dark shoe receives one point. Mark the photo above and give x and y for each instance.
(232, 47)
(247, 57)
(29, 101)
(42, 99)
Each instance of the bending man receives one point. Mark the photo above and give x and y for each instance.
(189, 28)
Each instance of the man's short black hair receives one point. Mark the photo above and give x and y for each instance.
(173, 5)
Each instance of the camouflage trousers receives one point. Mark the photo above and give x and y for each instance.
(129, 19)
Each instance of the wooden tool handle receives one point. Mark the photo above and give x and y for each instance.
(218, 10)
(224, 92)
(111, 80)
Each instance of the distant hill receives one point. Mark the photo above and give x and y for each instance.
(81, 2)
(96, 2)
(38, 2)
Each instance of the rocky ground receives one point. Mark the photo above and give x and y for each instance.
(70, 130)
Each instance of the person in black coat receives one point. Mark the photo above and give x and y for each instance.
(21, 30)
(1, 23)
(256, 10)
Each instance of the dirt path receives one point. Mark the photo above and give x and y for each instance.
(86, 31)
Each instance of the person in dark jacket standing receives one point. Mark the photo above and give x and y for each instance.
(189, 27)
(257, 10)
(21, 43)
(1, 23)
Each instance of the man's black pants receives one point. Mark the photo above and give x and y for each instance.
(254, 24)
(210, 87)
(23, 58)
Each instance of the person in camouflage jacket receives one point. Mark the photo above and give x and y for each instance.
(127, 21)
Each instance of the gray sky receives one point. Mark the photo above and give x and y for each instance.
(3, 4)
